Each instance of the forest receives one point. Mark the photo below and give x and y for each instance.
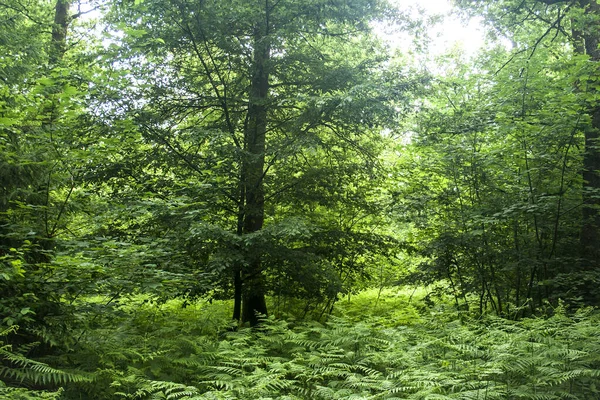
(299, 199)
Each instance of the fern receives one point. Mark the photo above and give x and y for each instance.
(19, 368)
(7, 393)
(437, 358)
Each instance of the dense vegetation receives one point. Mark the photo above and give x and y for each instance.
(203, 199)
(404, 349)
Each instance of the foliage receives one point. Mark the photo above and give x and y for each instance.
(184, 153)
(16, 367)
(491, 182)
(176, 169)
(165, 351)
(38, 100)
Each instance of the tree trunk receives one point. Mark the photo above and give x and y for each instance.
(59, 31)
(237, 268)
(590, 229)
(253, 292)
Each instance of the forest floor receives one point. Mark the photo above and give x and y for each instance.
(376, 345)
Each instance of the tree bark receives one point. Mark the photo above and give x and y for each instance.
(237, 268)
(59, 31)
(253, 293)
(590, 229)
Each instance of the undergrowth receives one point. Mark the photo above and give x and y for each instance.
(168, 352)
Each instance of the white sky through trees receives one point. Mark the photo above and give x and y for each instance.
(448, 33)
(444, 29)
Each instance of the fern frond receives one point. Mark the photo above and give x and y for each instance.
(23, 369)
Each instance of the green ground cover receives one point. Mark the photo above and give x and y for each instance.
(386, 345)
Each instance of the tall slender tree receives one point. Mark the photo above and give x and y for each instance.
(586, 37)
(237, 92)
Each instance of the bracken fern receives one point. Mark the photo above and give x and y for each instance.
(434, 358)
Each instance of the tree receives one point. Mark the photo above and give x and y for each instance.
(495, 182)
(538, 23)
(586, 29)
(38, 174)
(234, 94)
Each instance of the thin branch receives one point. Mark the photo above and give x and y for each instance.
(63, 207)
(182, 156)
(555, 25)
(80, 13)
(23, 11)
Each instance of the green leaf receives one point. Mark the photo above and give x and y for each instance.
(8, 121)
